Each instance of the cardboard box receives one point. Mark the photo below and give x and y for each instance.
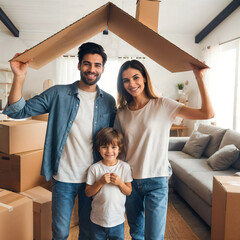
(43, 117)
(19, 172)
(225, 208)
(147, 12)
(22, 136)
(124, 26)
(42, 212)
(16, 221)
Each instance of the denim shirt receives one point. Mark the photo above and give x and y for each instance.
(62, 104)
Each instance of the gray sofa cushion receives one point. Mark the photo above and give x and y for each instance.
(216, 134)
(196, 173)
(196, 144)
(232, 137)
(224, 157)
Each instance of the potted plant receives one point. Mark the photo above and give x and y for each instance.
(180, 87)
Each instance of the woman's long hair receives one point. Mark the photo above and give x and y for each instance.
(124, 98)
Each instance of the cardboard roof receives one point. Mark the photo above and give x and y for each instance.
(124, 26)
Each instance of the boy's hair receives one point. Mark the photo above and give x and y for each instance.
(108, 136)
(92, 48)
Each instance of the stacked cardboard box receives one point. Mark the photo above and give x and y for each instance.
(147, 12)
(43, 117)
(225, 208)
(16, 221)
(21, 152)
(42, 212)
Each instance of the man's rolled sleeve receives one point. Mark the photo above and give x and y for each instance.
(15, 107)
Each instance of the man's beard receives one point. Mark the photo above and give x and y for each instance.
(92, 82)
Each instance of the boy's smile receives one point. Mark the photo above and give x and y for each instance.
(109, 154)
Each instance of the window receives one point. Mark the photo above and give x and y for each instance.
(224, 83)
(67, 72)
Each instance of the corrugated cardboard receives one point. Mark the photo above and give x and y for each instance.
(124, 26)
(226, 208)
(22, 136)
(42, 212)
(43, 117)
(147, 12)
(19, 172)
(16, 216)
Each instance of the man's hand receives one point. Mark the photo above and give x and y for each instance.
(19, 68)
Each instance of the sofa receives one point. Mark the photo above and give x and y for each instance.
(209, 151)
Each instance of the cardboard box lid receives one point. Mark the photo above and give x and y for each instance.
(41, 197)
(124, 26)
(9, 200)
(230, 184)
(38, 194)
(21, 122)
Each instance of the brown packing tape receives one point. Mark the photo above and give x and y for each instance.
(124, 26)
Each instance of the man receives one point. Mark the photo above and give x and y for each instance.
(76, 113)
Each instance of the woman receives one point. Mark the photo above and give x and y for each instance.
(145, 121)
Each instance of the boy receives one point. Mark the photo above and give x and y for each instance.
(109, 182)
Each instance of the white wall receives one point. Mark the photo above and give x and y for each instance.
(226, 31)
(164, 81)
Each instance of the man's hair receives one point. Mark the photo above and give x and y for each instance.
(92, 48)
(108, 136)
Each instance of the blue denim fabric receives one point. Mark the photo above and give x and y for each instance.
(62, 104)
(63, 198)
(149, 196)
(112, 233)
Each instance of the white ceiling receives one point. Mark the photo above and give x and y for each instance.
(49, 16)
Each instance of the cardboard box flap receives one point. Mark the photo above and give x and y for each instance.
(10, 200)
(38, 194)
(230, 184)
(66, 39)
(124, 26)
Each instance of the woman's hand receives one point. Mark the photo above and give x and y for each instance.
(206, 111)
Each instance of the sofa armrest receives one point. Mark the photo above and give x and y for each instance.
(177, 143)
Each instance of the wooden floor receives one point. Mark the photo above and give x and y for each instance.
(186, 227)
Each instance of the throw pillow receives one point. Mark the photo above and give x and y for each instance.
(232, 137)
(196, 144)
(224, 157)
(216, 134)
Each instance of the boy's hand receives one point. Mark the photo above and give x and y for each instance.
(116, 180)
(106, 178)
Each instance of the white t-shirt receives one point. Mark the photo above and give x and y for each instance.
(77, 154)
(146, 133)
(108, 205)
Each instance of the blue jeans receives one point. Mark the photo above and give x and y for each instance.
(112, 233)
(63, 198)
(146, 208)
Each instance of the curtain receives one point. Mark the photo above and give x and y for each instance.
(67, 70)
(222, 81)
